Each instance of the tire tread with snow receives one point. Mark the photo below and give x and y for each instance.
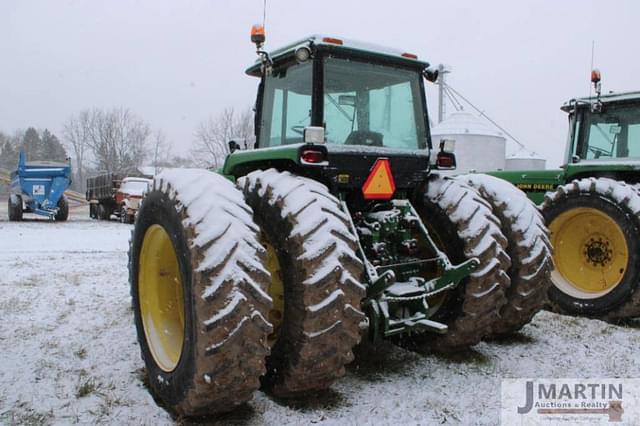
(224, 284)
(467, 228)
(528, 246)
(321, 278)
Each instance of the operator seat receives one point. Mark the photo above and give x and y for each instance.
(364, 137)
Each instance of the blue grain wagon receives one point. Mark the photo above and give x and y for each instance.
(38, 187)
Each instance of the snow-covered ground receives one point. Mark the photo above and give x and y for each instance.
(68, 352)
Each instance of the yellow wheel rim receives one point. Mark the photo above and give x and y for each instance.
(161, 298)
(276, 290)
(590, 253)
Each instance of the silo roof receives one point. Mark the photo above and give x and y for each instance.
(522, 154)
(464, 123)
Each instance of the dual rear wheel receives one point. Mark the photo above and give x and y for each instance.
(261, 285)
(199, 291)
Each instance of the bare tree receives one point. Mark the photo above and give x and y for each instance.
(117, 139)
(161, 151)
(244, 128)
(75, 133)
(212, 136)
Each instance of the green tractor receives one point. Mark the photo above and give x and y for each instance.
(267, 272)
(592, 207)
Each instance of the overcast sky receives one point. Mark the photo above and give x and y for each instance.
(175, 62)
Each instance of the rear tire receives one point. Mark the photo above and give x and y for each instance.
(528, 247)
(14, 207)
(124, 217)
(63, 209)
(219, 284)
(467, 228)
(320, 277)
(101, 212)
(595, 231)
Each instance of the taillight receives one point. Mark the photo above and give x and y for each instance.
(445, 161)
(312, 156)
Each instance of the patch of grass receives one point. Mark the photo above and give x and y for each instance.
(471, 357)
(109, 402)
(571, 321)
(607, 331)
(446, 414)
(26, 415)
(376, 362)
(327, 399)
(30, 281)
(73, 279)
(517, 338)
(81, 353)
(13, 305)
(86, 387)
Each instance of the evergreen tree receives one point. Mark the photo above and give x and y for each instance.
(32, 144)
(52, 149)
(8, 153)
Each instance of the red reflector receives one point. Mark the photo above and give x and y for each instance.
(409, 55)
(312, 156)
(332, 40)
(444, 161)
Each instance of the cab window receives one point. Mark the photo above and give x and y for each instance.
(286, 106)
(613, 133)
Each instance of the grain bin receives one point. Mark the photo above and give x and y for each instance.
(523, 160)
(478, 146)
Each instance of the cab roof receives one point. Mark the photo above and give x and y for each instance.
(348, 45)
(606, 98)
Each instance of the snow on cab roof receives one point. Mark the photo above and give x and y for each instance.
(607, 97)
(347, 44)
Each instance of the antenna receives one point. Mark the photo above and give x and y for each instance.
(593, 49)
(264, 14)
(258, 37)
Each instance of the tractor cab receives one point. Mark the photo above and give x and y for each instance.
(604, 129)
(332, 107)
(360, 96)
(603, 141)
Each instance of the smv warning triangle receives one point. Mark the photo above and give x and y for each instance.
(380, 184)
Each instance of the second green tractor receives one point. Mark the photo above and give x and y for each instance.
(592, 207)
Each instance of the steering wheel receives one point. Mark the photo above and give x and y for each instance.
(599, 152)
